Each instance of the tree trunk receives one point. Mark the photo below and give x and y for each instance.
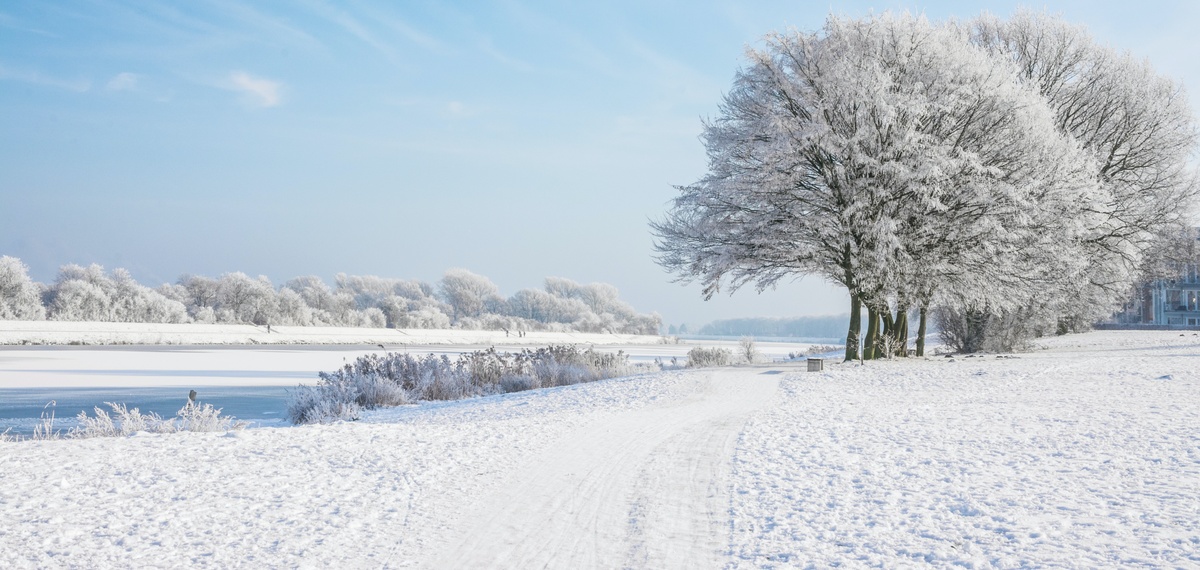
(921, 331)
(855, 327)
(869, 351)
(901, 330)
(887, 334)
(976, 327)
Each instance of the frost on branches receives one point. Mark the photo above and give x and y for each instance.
(461, 299)
(917, 165)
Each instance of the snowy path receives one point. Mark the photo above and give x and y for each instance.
(649, 487)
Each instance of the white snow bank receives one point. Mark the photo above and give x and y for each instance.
(1084, 454)
(72, 332)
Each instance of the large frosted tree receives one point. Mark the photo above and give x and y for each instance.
(889, 155)
(1137, 127)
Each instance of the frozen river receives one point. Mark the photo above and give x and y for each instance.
(247, 382)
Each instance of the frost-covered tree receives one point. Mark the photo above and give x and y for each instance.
(886, 154)
(467, 293)
(562, 287)
(313, 290)
(242, 299)
(135, 303)
(20, 298)
(291, 309)
(81, 294)
(369, 290)
(1137, 127)
(533, 305)
(88, 293)
(602, 298)
(78, 300)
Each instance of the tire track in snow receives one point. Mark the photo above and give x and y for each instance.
(647, 488)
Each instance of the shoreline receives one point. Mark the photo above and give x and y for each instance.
(28, 334)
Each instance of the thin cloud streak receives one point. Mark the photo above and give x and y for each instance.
(33, 77)
(124, 81)
(354, 27)
(262, 92)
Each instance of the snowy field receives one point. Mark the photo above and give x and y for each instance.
(1083, 454)
(91, 333)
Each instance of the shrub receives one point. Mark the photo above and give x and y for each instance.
(203, 418)
(701, 357)
(320, 405)
(124, 421)
(748, 351)
(374, 381)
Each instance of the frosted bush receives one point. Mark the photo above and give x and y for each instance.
(342, 395)
(701, 357)
(124, 421)
(748, 351)
(316, 405)
(374, 380)
(204, 418)
(550, 374)
(516, 383)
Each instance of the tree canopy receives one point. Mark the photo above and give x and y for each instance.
(915, 162)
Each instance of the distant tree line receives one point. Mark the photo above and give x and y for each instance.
(801, 327)
(461, 299)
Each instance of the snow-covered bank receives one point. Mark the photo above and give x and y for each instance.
(1085, 453)
(89, 333)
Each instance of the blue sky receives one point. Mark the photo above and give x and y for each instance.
(516, 139)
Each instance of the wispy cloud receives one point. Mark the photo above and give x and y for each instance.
(124, 81)
(354, 27)
(268, 28)
(402, 27)
(34, 77)
(12, 23)
(259, 91)
(489, 48)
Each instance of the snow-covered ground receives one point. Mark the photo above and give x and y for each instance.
(1082, 454)
(72, 332)
(278, 365)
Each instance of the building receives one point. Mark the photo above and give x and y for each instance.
(1176, 302)
(1167, 303)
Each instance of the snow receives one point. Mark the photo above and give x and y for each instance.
(244, 355)
(87, 332)
(1085, 452)
(146, 367)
